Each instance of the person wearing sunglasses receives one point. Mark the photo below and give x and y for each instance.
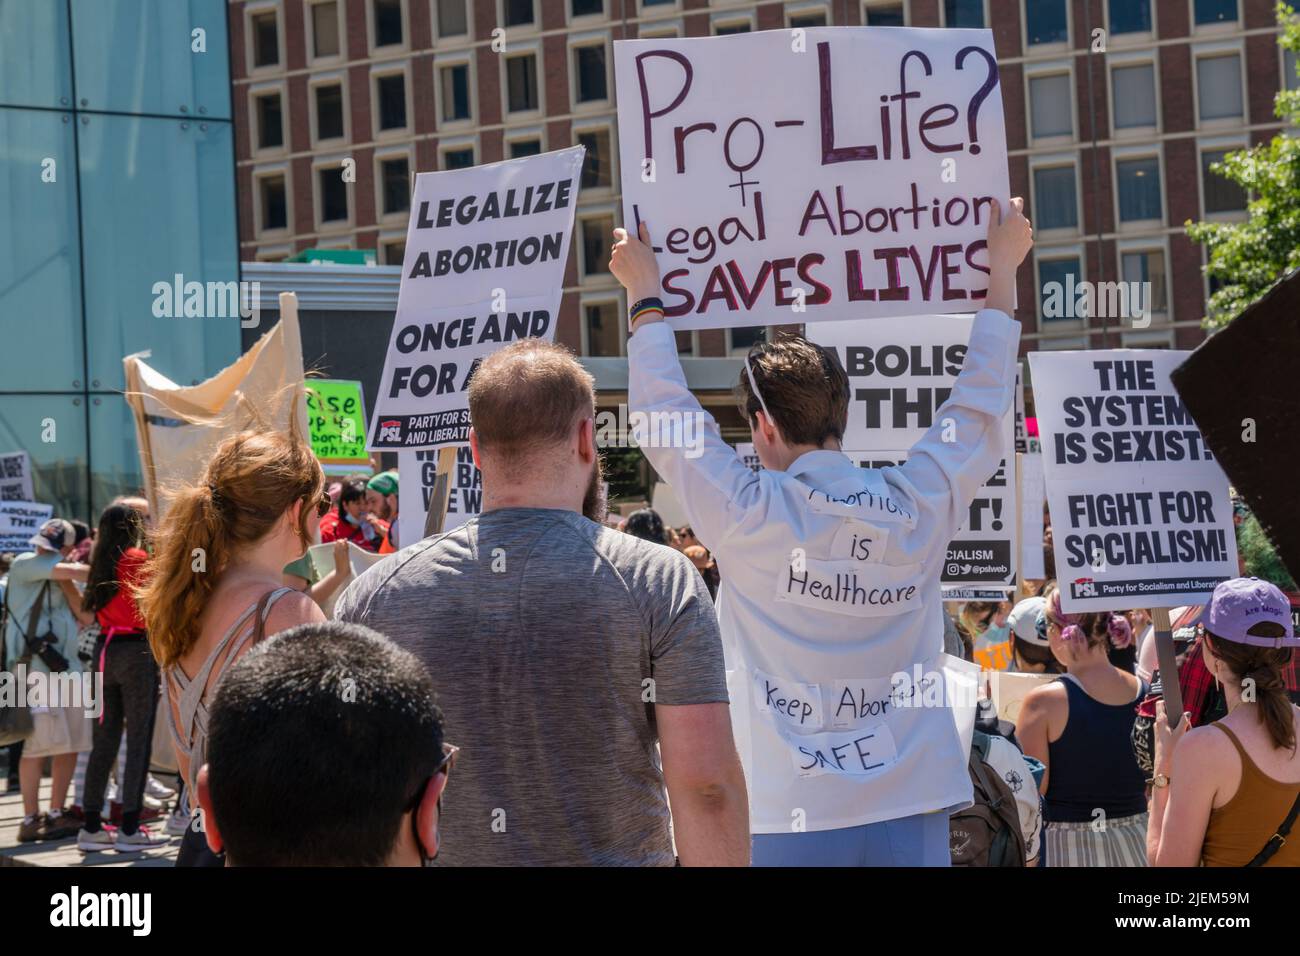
(830, 572)
(358, 719)
(215, 582)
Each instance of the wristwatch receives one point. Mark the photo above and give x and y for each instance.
(1160, 780)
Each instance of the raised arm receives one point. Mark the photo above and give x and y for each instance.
(710, 480)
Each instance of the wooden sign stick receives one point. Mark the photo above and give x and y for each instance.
(1170, 689)
(437, 515)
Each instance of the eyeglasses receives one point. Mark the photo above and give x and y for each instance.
(445, 765)
(324, 505)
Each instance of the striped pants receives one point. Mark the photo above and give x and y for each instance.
(1117, 841)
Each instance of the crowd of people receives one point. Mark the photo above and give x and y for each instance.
(774, 683)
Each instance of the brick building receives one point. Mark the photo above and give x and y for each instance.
(1110, 148)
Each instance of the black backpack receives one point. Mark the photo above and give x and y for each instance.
(987, 833)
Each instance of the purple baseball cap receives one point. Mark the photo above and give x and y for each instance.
(1239, 604)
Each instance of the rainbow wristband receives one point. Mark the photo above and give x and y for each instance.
(644, 307)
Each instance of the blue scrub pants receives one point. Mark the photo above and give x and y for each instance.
(920, 840)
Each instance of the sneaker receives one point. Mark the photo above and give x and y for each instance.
(157, 789)
(100, 840)
(152, 803)
(177, 823)
(141, 839)
(60, 826)
(29, 831)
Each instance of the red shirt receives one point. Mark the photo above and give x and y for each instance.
(333, 528)
(123, 611)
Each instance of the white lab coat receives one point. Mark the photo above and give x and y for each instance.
(830, 605)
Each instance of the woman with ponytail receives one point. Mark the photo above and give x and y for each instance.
(1228, 794)
(215, 585)
(1079, 726)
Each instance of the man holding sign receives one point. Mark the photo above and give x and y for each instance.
(830, 606)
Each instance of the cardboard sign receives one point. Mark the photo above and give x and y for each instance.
(322, 563)
(485, 256)
(417, 471)
(19, 522)
(813, 174)
(901, 371)
(1140, 510)
(15, 476)
(337, 418)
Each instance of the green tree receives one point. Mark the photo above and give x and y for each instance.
(1248, 257)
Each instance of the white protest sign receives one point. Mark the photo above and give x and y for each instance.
(1033, 495)
(15, 476)
(485, 256)
(19, 522)
(417, 471)
(1140, 509)
(797, 176)
(322, 561)
(1022, 428)
(745, 450)
(901, 371)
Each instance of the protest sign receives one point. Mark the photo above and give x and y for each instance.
(745, 450)
(417, 474)
(19, 522)
(901, 371)
(337, 419)
(485, 256)
(322, 564)
(1139, 505)
(15, 476)
(1022, 431)
(1033, 495)
(1008, 690)
(824, 172)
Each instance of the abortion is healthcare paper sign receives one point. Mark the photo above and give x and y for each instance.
(1140, 510)
(803, 175)
(484, 266)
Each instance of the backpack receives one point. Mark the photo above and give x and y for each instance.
(987, 833)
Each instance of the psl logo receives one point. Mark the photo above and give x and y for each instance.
(1084, 588)
(390, 431)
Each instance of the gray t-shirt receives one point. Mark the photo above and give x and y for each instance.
(540, 629)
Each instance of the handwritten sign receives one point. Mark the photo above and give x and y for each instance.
(1139, 506)
(802, 175)
(337, 419)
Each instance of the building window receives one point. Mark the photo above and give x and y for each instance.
(333, 194)
(266, 39)
(391, 90)
(806, 21)
(1055, 202)
(274, 201)
(458, 158)
(388, 22)
(744, 339)
(963, 13)
(455, 92)
(396, 177)
(1057, 279)
(1215, 11)
(885, 15)
(1290, 79)
(1218, 87)
(589, 62)
(518, 12)
(1221, 193)
(394, 252)
(270, 125)
(587, 8)
(597, 234)
(722, 30)
(1139, 189)
(1046, 21)
(604, 329)
(453, 18)
(1050, 106)
(1134, 95)
(596, 173)
(521, 83)
(1138, 267)
(325, 29)
(1130, 16)
(329, 111)
(520, 148)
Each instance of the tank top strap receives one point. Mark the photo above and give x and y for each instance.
(1236, 742)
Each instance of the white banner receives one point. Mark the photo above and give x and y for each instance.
(19, 522)
(485, 256)
(1140, 510)
(15, 476)
(901, 371)
(828, 172)
(1033, 496)
(417, 471)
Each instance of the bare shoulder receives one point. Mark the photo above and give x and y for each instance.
(1205, 748)
(292, 609)
(1046, 699)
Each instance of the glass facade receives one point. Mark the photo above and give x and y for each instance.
(116, 174)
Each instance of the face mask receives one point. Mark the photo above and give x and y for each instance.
(996, 634)
(351, 520)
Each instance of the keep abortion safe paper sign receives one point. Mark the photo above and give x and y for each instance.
(804, 175)
(485, 256)
(1140, 510)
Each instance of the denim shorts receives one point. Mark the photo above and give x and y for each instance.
(920, 840)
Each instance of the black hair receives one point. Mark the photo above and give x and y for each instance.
(646, 524)
(81, 530)
(120, 528)
(1035, 654)
(320, 739)
(352, 490)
